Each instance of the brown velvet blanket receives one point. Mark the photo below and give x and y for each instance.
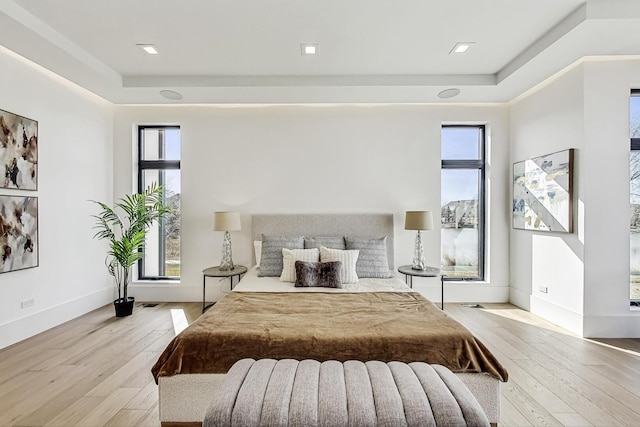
(385, 326)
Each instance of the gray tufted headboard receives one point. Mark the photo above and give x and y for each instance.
(325, 225)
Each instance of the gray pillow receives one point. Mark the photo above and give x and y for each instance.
(271, 254)
(319, 274)
(372, 261)
(327, 242)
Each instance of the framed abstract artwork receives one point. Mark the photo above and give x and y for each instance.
(543, 193)
(18, 152)
(18, 233)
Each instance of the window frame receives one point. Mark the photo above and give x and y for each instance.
(154, 165)
(634, 145)
(479, 165)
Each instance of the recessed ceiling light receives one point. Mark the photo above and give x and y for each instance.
(309, 49)
(171, 94)
(149, 48)
(449, 93)
(461, 47)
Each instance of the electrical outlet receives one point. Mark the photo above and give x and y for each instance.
(28, 303)
(543, 289)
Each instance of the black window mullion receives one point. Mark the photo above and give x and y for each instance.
(161, 181)
(159, 164)
(462, 164)
(141, 155)
(481, 223)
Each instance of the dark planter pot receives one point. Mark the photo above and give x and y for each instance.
(124, 307)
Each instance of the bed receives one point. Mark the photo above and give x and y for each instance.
(373, 319)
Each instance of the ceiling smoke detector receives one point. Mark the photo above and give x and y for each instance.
(449, 93)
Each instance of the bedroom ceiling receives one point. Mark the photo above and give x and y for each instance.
(248, 51)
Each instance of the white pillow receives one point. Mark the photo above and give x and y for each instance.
(257, 248)
(289, 258)
(347, 258)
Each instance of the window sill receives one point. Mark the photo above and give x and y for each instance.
(166, 283)
(466, 282)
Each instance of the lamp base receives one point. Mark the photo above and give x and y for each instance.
(226, 267)
(226, 264)
(418, 254)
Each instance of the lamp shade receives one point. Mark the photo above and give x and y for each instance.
(418, 220)
(226, 221)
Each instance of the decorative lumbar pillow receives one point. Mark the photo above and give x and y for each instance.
(327, 242)
(372, 261)
(289, 258)
(348, 260)
(271, 254)
(319, 274)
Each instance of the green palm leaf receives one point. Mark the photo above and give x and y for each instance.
(125, 233)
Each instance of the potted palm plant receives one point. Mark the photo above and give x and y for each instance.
(124, 227)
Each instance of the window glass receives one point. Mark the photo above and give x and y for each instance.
(162, 242)
(160, 144)
(634, 119)
(461, 143)
(459, 222)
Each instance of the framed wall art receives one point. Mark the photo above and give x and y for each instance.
(18, 152)
(18, 233)
(543, 193)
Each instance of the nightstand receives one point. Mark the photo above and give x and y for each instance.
(409, 273)
(238, 270)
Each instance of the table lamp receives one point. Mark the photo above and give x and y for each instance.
(418, 220)
(226, 221)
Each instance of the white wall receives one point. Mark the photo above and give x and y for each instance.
(304, 158)
(606, 295)
(586, 272)
(550, 120)
(74, 164)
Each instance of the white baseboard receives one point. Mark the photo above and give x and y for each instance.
(25, 327)
(464, 292)
(176, 292)
(161, 292)
(567, 319)
(520, 298)
(627, 326)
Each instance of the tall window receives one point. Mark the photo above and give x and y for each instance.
(159, 162)
(462, 202)
(634, 197)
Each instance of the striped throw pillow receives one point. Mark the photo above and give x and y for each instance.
(289, 258)
(348, 260)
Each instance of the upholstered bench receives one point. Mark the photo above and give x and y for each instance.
(309, 393)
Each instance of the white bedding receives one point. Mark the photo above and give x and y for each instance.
(252, 283)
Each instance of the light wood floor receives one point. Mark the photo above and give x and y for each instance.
(95, 370)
